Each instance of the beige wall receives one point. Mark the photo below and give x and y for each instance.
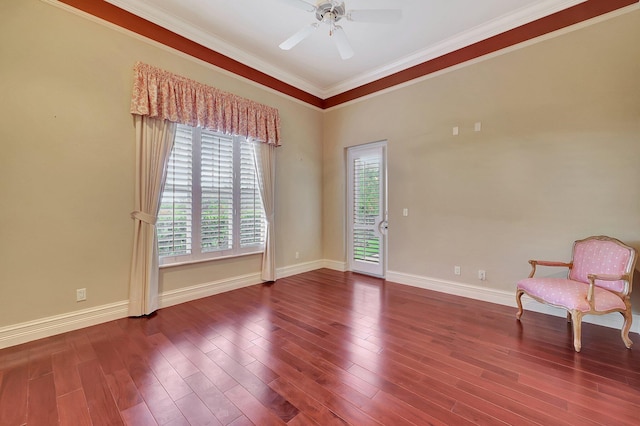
(67, 163)
(558, 157)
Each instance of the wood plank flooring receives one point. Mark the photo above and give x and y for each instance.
(324, 348)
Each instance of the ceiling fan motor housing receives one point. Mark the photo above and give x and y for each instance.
(329, 12)
(332, 10)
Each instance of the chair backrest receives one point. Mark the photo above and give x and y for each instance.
(603, 255)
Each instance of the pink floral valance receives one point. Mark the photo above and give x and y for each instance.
(161, 94)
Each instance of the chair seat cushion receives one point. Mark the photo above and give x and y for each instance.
(570, 294)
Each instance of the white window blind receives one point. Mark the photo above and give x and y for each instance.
(211, 203)
(217, 192)
(252, 229)
(175, 216)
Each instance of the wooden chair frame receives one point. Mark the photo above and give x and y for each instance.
(575, 316)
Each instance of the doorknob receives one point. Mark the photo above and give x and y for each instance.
(383, 226)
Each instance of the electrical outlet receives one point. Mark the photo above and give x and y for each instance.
(81, 294)
(297, 255)
(456, 270)
(482, 275)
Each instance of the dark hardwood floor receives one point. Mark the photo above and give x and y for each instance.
(324, 348)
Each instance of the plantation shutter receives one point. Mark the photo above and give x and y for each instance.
(217, 192)
(174, 223)
(211, 205)
(366, 208)
(252, 220)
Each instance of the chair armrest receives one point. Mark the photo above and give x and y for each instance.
(550, 263)
(535, 263)
(608, 277)
(603, 277)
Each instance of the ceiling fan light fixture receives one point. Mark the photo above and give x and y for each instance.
(330, 9)
(329, 12)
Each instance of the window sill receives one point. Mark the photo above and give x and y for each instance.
(209, 259)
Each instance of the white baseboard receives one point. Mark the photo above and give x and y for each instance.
(45, 327)
(506, 298)
(335, 265)
(452, 287)
(174, 297)
(187, 294)
(49, 326)
(299, 268)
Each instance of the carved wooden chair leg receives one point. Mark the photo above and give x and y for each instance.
(519, 294)
(576, 318)
(625, 328)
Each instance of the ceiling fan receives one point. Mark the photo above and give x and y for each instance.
(329, 12)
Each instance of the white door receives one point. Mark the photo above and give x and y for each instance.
(367, 215)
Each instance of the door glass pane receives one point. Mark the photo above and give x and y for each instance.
(366, 190)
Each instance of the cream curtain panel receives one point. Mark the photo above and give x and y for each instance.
(154, 139)
(265, 161)
(160, 100)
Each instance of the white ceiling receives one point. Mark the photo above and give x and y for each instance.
(251, 30)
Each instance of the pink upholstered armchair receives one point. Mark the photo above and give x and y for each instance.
(599, 282)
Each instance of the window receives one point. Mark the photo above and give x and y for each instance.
(211, 205)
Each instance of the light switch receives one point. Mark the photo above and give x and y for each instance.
(456, 131)
(478, 126)
(405, 212)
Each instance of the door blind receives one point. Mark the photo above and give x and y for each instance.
(366, 210)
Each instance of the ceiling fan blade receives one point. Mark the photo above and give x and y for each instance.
(375, 15)
(342, 43)
(298, 37)
(301, 4)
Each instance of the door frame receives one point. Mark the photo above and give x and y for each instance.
(349, 206)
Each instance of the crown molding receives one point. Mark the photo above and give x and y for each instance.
(194, 33)
(496, 26)
(583, 13)
(462, 48)
(489, 29)
(112, 14)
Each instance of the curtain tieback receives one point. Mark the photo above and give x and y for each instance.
(144, 217)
